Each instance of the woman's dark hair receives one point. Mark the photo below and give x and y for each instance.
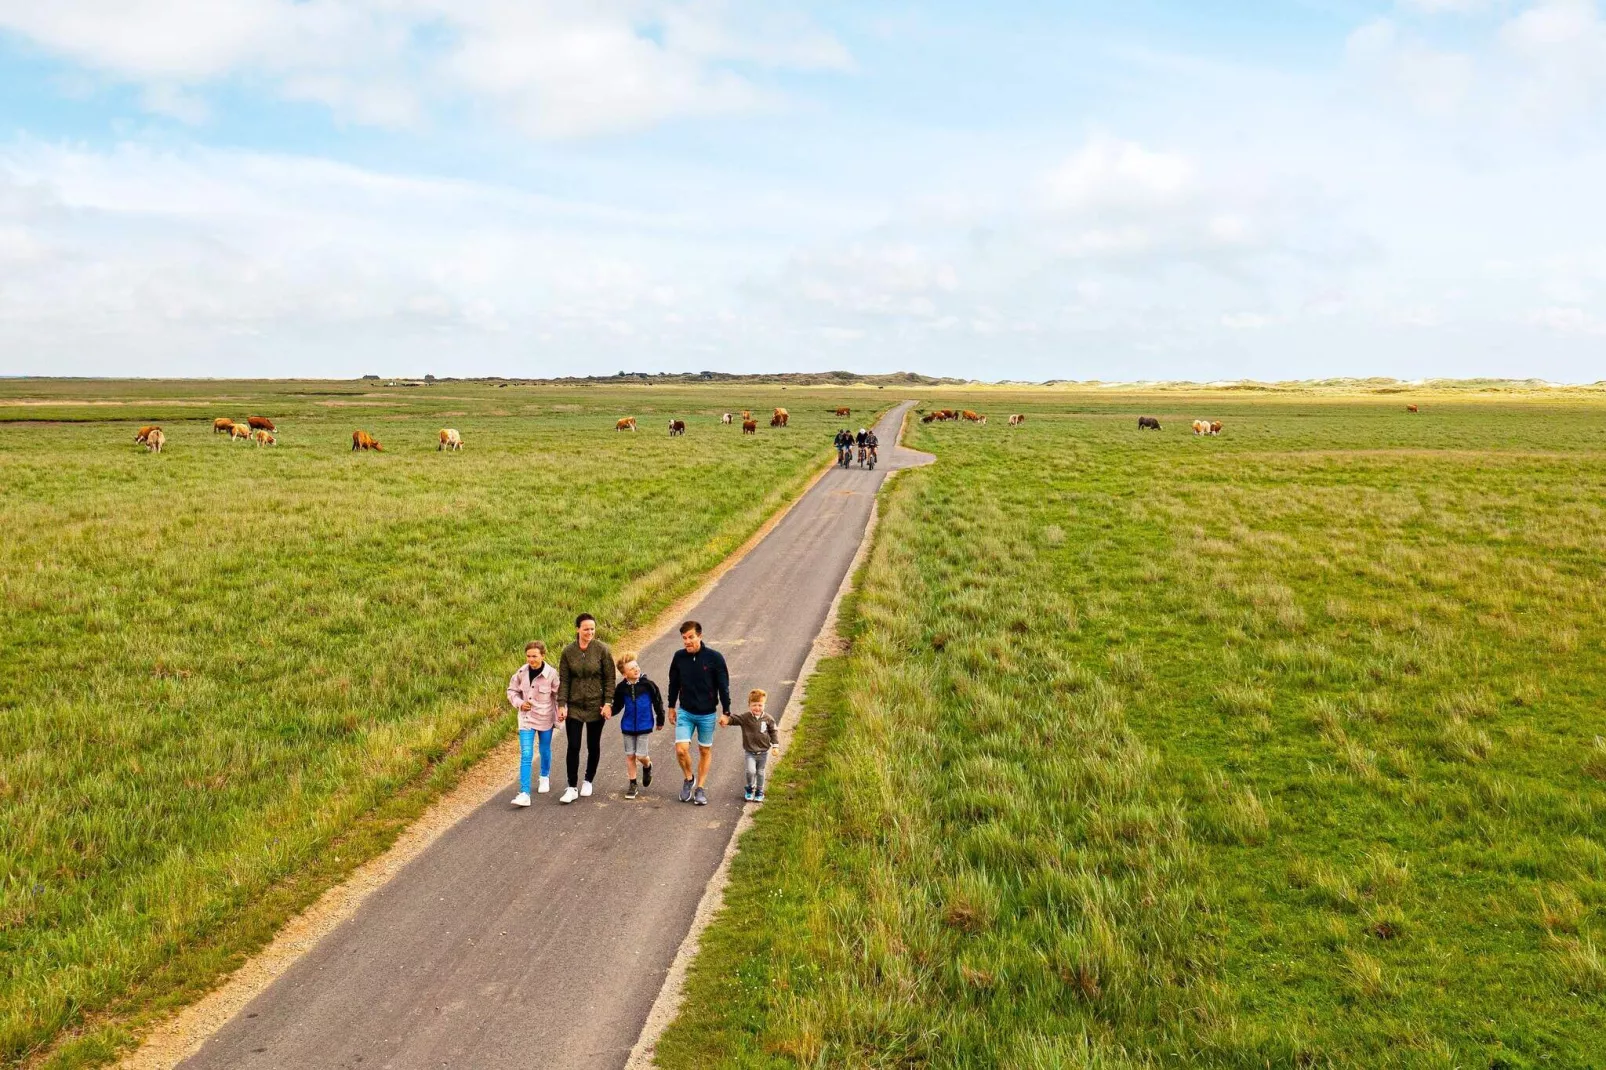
(582, 618)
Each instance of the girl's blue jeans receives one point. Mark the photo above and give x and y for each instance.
(527, 752)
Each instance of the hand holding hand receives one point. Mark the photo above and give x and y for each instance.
(563, 714)
(607, 710)
(671, 715)
(526, 707)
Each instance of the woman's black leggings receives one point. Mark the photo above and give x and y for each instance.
(593, 734)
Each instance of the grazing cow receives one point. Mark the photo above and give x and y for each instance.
(450, 440)
(362, 440)
(155, 440)
(143, 435)
(626, 424)
(1017, 419)
(1215, 427)
(222, 425)
(677, 427)
(1201, 427)
(260, 423)
(238, 432)
(1410, 408)
(929, 417)
(746, 415)
(780, 418)
(265, 438)
(973, 417)
(749, 427)
(844, 411)
(1148, 423)
(725, 419)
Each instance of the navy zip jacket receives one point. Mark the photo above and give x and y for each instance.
(637, 705)
(700, 681)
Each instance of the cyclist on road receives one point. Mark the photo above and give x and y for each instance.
(859, 440)
(844, 446)
(870, 444)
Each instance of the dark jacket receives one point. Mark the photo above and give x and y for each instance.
(585, 679)
(636, 705)
(759, 733)
(700, 682)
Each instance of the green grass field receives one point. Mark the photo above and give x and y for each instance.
(228, 674)
(1277, 749)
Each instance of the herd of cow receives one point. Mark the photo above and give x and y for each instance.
(260, 429)
(749, 425)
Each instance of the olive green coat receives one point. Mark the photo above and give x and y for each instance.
(585, 679)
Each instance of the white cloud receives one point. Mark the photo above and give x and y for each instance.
(1562, 47)
(1436, 82)
(553, 68)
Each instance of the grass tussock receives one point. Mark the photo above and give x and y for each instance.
(1287, 791)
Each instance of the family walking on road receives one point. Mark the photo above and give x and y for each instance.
(583, 693)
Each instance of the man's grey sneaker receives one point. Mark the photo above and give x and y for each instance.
(630, 792)
(685, 792)
(699, 798)
(747, 793)
(646, 774)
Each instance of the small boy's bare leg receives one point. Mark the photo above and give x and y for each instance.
(630, 765)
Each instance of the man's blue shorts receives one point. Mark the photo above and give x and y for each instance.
(702, 724)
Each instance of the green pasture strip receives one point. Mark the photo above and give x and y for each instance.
(229, 674)
(1282, 748)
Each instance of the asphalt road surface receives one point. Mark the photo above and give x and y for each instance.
(540, 937)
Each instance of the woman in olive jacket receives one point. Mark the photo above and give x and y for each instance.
(585, 695)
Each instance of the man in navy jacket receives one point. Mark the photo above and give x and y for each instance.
(699, 688)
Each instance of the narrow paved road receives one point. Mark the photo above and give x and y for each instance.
(540, 937)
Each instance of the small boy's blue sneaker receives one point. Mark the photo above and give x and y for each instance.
(748, 794)
(759, 797)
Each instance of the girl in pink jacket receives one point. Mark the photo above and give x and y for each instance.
(533, 691)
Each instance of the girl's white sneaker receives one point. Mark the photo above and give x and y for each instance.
(568, 796)
(585, 789)
(521, 799)
(545, 786)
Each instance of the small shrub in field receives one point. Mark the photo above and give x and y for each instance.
(1126, 667)
(1461, 742)
(1560, 909)
(1583, 967)
(1595, 759)
(1053, 535)
(1364, 976)
(1242, 700)
(1385, 876)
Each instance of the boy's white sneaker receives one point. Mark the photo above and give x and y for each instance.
(568, 796)
(545, 786)
(521, 799)
(585, 789)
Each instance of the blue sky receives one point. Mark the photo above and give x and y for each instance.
(1151, 189)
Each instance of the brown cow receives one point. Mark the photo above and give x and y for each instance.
(844, 411)
(1201, 427)
(1215, 427)
(1148, 423)
(1410, 408)
(1017, 419)
(260, 423)
(677, 427)
(780, 418)
(238, 431)
(155, 440)
(362, 440)
(973, 417)
(746, 414)
(749, 427)
(626, 424)
(222, 425)
(265, 438)
(450, 440)
(929, 417)
(143, 435)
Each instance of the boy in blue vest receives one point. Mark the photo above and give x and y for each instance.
(640, 708)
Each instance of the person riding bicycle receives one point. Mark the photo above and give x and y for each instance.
(870, 443)
(859, 440)
(844, 444)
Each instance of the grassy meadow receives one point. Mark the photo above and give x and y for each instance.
(228, 674)
(1278, 749)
